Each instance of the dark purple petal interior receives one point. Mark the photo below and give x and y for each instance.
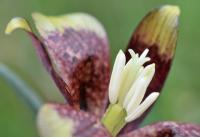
(158, 32)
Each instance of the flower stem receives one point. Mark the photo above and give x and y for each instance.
(114, 119)
(21, 88)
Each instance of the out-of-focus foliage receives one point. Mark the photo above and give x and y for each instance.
(180, 99)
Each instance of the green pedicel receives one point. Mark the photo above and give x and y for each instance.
(114, 119)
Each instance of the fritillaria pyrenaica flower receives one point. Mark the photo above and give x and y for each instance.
(74, 50)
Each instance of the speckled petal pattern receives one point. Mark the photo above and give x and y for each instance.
(74, 50)
(80, 55)
(53, 118)
(166, 129)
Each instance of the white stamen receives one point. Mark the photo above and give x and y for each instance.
(137, 56)
(142, 107)
(148, 72)
(116, 77)
(130, 72)
(144, 60)
(132, 53)
(138, 89)
(140, 71)
(129, 82)
(144, 53)
(127, 79)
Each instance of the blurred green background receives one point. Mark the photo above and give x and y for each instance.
(180, 97)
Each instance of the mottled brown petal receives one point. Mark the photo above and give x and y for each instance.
(56, 120)
(157, 32)
(166, 129)
(97, 130)
(75, 52)
(21, 23)
(78, 47)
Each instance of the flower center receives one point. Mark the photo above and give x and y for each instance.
(127, 88)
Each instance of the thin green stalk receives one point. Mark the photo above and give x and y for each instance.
(114, 119)
(22, 89)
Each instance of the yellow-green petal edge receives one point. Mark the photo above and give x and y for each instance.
(51, 124)
(16, 23)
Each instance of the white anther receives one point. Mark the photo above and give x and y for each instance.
(132, 53)
(144, 53)
(138, 89)
(142, 107)
(129, 82)
(116, 77)
(127, 79)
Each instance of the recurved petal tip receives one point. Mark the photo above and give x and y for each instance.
(16, 23)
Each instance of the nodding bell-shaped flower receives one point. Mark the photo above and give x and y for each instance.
(127, 88)
(74, 50)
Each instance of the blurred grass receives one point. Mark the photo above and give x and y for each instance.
(180, 97)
